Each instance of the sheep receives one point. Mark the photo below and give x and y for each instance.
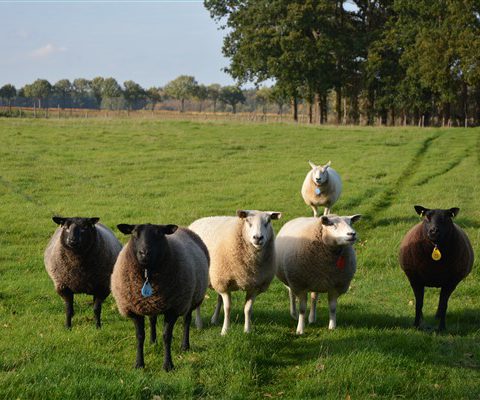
(322, 187)
(79, 259)
(316, 255)
(163, 269)
(435, 253)
(242, 258)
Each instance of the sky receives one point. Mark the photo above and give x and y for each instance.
(149, 42)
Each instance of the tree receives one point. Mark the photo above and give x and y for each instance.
(201, 94)
(63, 89)
(263, 97)
(8, 92)
(279, 97)
(182, 88)
(134, 94)
(154, 95)
(40, 91)
(111, 94)
(232, 95)
(96, 85)
(214, 94)
(82, 92)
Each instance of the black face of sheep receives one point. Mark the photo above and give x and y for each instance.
(148, 243)
(78, 234)
(437, 224)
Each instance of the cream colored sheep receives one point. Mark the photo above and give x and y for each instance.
(162, 269)
(322, 187)
(242, 257)
(316, 255)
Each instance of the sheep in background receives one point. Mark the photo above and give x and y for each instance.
(322, 187)
(163, 269)
(242, 257)
(435, 253)
(316, 255)
(79, 259)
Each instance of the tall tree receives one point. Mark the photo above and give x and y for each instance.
(214, 94)
(96, 85)
(232, 95)
(81, 92)
(40, 91)
(8, 93)
(182, 88)
(63, 89)
(134, 94)
(154, 95)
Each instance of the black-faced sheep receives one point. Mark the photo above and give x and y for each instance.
(79, 259)
(316, 255)
(435, 253)
(322, 187)
(162, 269)
(242, 257)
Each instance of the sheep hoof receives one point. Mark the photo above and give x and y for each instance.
(168, 366)
(139, 365)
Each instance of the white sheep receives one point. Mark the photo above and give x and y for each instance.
(241, 257)
(316, 255)
(322, 187)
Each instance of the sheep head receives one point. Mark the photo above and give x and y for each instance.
(257, 227)
(320, 173)
(437, 224)
(338, 231)
(78, 234)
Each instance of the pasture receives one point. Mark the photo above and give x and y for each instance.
(134, 171)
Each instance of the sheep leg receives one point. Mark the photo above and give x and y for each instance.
(332, 309)
(198, 318)
(226, 298)
(153, 329)
(302, 308)
(326, 211)
(445, 293)
(187, 319)
(312, 317)
(248, 310)
(168, 325)
(315, 211)
(419, 292)
(293, 304)
(139, 322)
(216, 313)
(67, 296)
(97, 309)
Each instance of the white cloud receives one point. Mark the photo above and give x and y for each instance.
(47, 50)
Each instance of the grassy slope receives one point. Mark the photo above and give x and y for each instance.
(175, 172)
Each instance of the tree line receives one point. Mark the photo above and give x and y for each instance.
(396, 61)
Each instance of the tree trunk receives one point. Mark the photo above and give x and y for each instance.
(370, 106)
(295, 108)
(182, 105)
(392, 116)
(338, 104)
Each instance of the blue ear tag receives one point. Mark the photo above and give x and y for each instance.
(147, 290)
(317, 191)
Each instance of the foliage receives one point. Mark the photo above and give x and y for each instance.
(232, 95)
(182, 88)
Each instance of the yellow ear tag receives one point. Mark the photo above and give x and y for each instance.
(436, 255)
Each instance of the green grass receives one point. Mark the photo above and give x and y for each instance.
(174, 172)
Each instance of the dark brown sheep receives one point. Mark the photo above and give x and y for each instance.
(80, 259)
(173, 263)
(435, 253)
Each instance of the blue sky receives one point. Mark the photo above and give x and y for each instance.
(150, 42)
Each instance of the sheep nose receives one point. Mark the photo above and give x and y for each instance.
(143, 254)
(351, 234)
(258, 238)
(433, 230)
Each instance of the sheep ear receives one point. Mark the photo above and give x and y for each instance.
(169, 229)
(454, 211)
(59, 220)
(125, 228)
(275, 215)
(421, 210)
(355, 218)
(325, 221)
(312, 165)
(242, 213)
(327, 165)
(94, 220)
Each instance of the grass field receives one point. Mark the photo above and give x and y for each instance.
(174, 172)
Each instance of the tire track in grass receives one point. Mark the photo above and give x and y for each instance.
(448, 168)
(390, 194)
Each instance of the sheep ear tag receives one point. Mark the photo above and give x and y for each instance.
(147, 290)
(341, 263)
(318, 192)
(436, 255)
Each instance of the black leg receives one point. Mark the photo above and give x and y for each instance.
(67, 296)
(168, 324)
(187, 319)
(139, 322)
(97, 310)
(153, 329)
(445, 293)
(419, 291)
